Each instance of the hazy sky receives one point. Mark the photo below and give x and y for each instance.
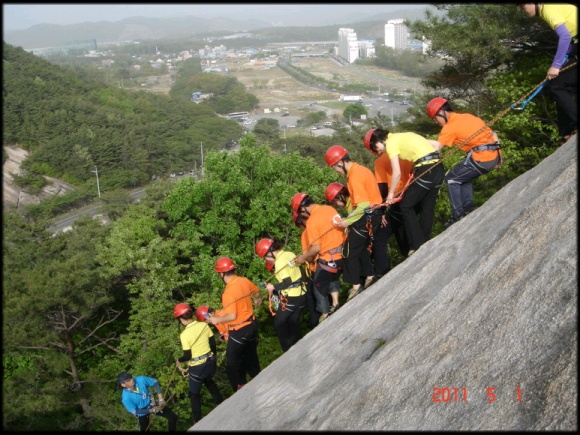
(18, 16)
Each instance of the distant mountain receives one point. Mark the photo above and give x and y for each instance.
(51, 35)
(142, 28)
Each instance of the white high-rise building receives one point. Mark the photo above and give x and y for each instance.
(396, 34)
(347, 44)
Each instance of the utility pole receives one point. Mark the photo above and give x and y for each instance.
(201, 144)
(96, 172)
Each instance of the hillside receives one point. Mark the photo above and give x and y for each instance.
(476, 331)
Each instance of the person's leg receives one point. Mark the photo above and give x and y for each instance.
(562, 89)
(433, 179)
(251, 361)
(323, 282)
(395, 220)
(195, 383)
(171, 418)
(380, 251)
(144, 423)
(460, 174)
(313, 314)
(283, 328)
(356, 243)
(209, 372)
(214, 391)
(234, 361)
(413, 195)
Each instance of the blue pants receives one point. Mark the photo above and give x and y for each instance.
(459, 185)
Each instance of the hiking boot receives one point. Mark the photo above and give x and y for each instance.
(449, 222)
(372, 281)
(352, 293)
(322, 318)
(334, 308)
(411, 252)
(452, 220)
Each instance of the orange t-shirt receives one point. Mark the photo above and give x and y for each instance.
(384, 171)
(320, 230)
(459, 127)
(362, 186)
(237, 299)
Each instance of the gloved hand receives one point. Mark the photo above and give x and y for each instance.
(161, 403)
(153, 410)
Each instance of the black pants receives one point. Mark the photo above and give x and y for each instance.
(421, 195)
(563, 90)
(395, 220)
(314, 315)
(380, 254)
(287, 321)
(165, 413)
(203, 375)
(242, 355)
(357, 259)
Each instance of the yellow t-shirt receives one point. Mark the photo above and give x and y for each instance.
(195, 337)
(408, 146)
(284, 271)
(555, 14)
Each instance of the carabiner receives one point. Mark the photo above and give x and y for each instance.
(525, 103)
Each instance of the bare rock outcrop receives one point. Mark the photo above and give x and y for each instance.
(476, 331)
(12, 195)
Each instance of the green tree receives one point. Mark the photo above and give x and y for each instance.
(354, 111)
(267, 130)
(59, 313)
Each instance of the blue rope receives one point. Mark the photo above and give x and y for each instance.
(523, 104)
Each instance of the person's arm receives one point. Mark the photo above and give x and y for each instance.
(214, 320)
(436, 144)
(158, 390)
(355, 215)
(212, 345)
(564, 39)
(384, 189)
(395, 178)
(185, 357)
(311, 253)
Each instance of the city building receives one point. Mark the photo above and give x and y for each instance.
(366, 49)
(396, 34)
(347, 44)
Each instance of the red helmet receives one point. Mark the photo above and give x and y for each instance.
(332, 190)
(297, 200)
(180, 309)
(434, 105)
(367, 140)
(269, 265)
(263, 246)
(335, 154)
(224, 264)
(202, 313)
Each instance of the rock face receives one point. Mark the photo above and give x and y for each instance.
(12, 195)
(476, 331)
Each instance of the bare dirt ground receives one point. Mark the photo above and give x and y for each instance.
(274, 86)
